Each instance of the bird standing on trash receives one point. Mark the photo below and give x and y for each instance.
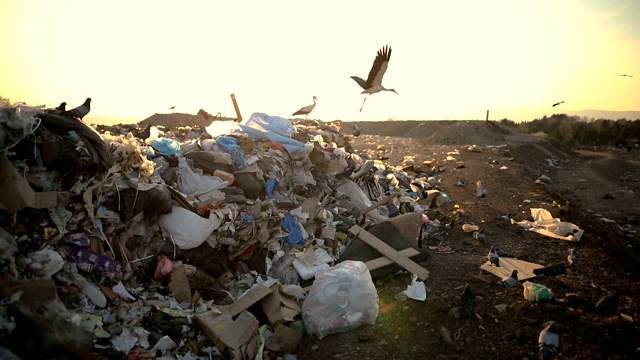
(81, 111)
(572, 258)
(469, 301)
(356, 131)
(493, 257)
(608, 303)
(62, 107)
(548, 341)
(307, 109)
(510, 281)
(374, 81)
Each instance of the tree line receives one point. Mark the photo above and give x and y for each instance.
(579, 131)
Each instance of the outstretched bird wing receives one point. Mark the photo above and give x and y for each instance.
(379, 66)
(378, 69)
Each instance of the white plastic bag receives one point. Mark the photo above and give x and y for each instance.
(341, 298)
(186, 228)
(416, 290)
(192, 183)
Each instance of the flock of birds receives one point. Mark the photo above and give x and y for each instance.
(548, 340)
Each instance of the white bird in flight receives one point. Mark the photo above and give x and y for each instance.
(374, 81)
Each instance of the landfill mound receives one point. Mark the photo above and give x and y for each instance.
(286, 239)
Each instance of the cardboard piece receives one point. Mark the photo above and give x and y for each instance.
(179, 285)
(34, 291)
(390, 252)
(226, 332)
(16, 193)
(251, 297)
(284, 340)
(279, 307)
(507, 265)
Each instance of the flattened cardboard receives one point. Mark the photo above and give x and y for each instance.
(507, 265)
(279, 307)
(16, 193)
(226, 332)
(284, 340)
(254, 295)
(34, 291)
(179, 285)
(390, 252)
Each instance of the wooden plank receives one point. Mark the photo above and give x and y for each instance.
(381, 262)
(235, 106)
(390, 252)
(385, 261)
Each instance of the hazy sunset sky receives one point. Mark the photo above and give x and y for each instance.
(451, 59)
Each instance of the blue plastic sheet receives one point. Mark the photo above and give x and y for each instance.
(230, 145)
(291, 225)
(166, 146)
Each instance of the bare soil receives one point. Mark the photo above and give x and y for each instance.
(597, 191)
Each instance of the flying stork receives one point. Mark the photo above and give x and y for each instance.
(558, 103)
(307, 109)
(627, 75)
(374, 81)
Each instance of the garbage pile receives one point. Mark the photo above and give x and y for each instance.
(195, 242)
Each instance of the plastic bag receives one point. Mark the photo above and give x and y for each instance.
(342, 298)
(230, 145)
(295, 234)
(416, 290)
(192, 183)
(186, 228)
(536, 292)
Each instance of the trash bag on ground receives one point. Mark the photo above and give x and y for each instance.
(342, 298)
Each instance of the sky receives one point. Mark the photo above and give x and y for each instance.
(451, 60)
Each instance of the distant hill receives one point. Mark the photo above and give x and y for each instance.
(177, 120)
(604, 114)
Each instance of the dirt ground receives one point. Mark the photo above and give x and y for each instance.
(597, 191)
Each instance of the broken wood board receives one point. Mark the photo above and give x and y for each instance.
(390, 252)
(507, 265)
(381, 262)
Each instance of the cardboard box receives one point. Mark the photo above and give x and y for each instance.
(225, 332)
(279, 307)
(285, 340)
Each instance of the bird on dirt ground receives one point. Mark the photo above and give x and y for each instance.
(62, 107)
(548, 341)
(81, 111)
(572, 258)
(356, 131)
(510, 281)
(469, 301)
(374, 81)
(608, 303)
(307, 109)
(493, 257)
(558, 103)
(551, 270)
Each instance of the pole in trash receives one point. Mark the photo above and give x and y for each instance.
(235, 106)
(486, 121)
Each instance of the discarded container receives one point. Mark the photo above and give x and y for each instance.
(536, 292)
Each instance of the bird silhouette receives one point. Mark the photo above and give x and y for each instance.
(468, 299)
(374, 80)
(81, 111)
(510, 281)
(307, 109)
(551, 270)
(493, 257)
(627, 75)
(173, 107)
(558, 103)
(356, 131)
(548, 341)
(62, 107)
(608, 303)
